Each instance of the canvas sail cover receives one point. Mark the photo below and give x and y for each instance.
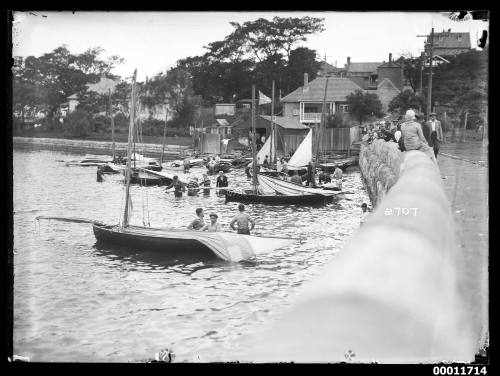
(303, 154)
(266, 150)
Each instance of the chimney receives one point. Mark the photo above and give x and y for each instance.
(390, 57)
(306, 79)
(449, 30)
(348, 60)
(335, 63)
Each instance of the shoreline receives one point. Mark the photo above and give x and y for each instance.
(97, 147)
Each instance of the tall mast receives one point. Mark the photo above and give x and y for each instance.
(429, 89)
(164, 134)
(272, 157)
(112, 125)
(254, 156)
(129, 149)
(321, 125)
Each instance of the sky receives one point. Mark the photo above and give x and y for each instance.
(152, 42)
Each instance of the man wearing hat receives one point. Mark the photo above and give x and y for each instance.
(413, 137)
(435, 132)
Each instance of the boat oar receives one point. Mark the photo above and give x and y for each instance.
(71, 219)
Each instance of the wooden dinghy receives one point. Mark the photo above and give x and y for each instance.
(275, 199)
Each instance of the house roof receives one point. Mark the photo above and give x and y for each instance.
(450, 40)
(338, 90)
(326, 67)
(264, 121)
(103, 86)
(287, 122)
(390, 64)
(387, 82)
(222, 122)
(362, 67)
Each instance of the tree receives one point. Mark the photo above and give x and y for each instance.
(301, 60)
(79, 123)
(256, 52)
(406, 100)
(462, 86)
(363, 105)
(60, 73)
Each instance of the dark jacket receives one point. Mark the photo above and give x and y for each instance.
(221, 181)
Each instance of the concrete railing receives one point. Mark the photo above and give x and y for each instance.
(379, 163)
(391, 296)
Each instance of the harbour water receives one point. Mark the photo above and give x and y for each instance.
(78, 302)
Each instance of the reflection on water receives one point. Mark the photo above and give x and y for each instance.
(76, 300)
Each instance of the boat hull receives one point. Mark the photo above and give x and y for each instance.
(303, 199)
(113, 235)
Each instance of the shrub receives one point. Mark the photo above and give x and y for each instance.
(78, 123)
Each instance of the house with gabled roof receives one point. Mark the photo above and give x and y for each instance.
(448, 43)
(306, 102)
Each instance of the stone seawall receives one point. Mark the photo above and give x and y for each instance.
(392, 295)
(379, 163)
(96, 147)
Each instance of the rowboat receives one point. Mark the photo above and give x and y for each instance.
(89, 162)
(146, 177)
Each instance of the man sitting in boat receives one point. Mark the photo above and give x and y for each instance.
(284, 165)
(242, 219)
(206, 183)
(221, 180)
(217, 158)
(193, 187)
(178, 186)
(337, 175)
(266, 162)
(324, 177)
(296, 178)
(199, 222)
(213, 226)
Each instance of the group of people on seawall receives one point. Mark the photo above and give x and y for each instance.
(242, 223)
(411, 135)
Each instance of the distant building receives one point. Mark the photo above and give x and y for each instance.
(386, 91)
(448, 43)
(369, 75)
(305, 103)
(326, 69)
(225, 109)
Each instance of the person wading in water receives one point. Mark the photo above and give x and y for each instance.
(198, 223)
(242, 219)
(178, 187)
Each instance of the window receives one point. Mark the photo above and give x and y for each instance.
(342, 108)
(459, 37)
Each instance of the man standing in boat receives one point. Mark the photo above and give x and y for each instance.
(243, 220)
(213, 226)
(310, 175)
(199, 222)
(178, 187)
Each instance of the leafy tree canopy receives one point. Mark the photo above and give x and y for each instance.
(364, 105)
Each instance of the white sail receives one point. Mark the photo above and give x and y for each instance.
(265, 150)
(303, 154)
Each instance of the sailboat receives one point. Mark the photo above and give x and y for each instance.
(263, 192)
(226, 246)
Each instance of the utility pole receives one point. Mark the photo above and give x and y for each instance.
(254, 154)
(112, 124)
(429, 89)
(272, 157)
